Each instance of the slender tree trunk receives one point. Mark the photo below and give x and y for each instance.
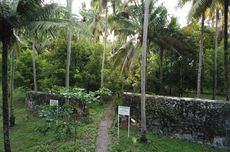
(104, 52)
(12, 116)
(143, 72)
(69, 39)
(161, 70)
(215, 55)
(114, 6)
(200, 56)
(226, 60)
(181, 81)
(5, 108)
(69, 42)
(34, 66)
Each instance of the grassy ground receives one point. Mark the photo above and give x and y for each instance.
(155, 143)
(205, 96)
(25, 138)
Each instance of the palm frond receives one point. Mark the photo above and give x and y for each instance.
(198, 8)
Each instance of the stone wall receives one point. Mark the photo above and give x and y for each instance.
(196, 120)
(35, 99)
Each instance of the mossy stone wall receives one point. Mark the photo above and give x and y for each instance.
(196, 120)
(35, 99)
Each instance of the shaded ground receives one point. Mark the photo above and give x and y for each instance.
(103, 138)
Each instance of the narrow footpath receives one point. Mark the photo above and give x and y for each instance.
(103, 138)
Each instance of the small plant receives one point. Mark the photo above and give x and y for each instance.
(60, 120)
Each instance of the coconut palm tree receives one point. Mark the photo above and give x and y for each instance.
(12, 67)
(19, 14)
(99, 5)
(198, 11)
(69, 41)
(215, 54)
(226, 59)
(104, 5)
(143, 71)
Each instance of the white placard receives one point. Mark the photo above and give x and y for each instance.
(123, 110)
(53, 102)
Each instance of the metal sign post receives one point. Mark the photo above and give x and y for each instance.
(124, 111)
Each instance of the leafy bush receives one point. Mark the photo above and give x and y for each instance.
(81, 94)
(60, 120)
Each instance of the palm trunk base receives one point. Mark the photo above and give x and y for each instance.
(143, 138)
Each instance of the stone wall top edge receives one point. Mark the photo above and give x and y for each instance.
(179, 98)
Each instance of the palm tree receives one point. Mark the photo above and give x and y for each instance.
(226, 60)
(34, 66)
(99, 4)
(200, 55)
(215, 54)
(69, 41)
(143, 71)
(198, 7)
(12, 67)
(198, 10)
(15, 15)
(104, 4)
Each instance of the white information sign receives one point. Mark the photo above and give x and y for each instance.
(53, 102)
(123, 111)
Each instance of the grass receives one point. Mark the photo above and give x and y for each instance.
(155, 143)
(25, 138)
(205, 96)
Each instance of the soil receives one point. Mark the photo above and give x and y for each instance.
(103, 138)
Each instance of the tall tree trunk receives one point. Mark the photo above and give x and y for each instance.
(5, 108)
(104, 52)
(226, 49)
(12, 116)
(143, 72)
(215, 55)
(69, 42)
(114, 6)
(200, 55)
(171, 60)
(34, 66)
(181, 80)
(161, 70)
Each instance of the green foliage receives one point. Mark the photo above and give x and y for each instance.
(50, 64)
(104, 91)
(60, 120)
(85, 64)
(81, 94)
(24, 72)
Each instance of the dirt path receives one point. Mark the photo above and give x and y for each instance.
(103, 138)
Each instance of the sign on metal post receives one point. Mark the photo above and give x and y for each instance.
(124, 111)
(53, 102)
